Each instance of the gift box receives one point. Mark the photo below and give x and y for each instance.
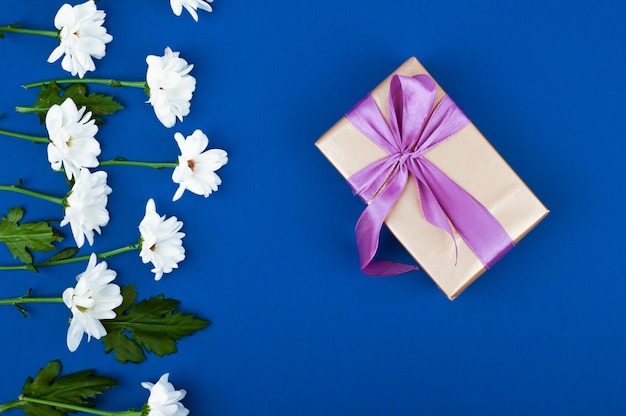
(425, 170)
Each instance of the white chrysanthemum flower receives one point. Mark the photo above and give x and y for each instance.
(86, 204)
(161, 241)
(196, 167)
(72, 138)
(164, 399)
(191, 6)
(81, 37)
(93, 298)
(171, 87)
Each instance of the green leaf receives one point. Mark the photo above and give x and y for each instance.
(153, 325)
(76, 389)
(66, 253)
(20, 308)
(16, 24)
(15, 214)
(20, 238)
(99, 104)
(124, 348)
(116, 340)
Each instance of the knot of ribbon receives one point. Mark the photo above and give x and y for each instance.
(414, 128)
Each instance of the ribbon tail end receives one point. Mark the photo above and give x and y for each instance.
(382, 268)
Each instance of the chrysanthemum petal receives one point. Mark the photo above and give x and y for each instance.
(191, 6)
(86, 204)
(92, 299)
(82, 37)
(72, 138)
(164, 399)
(196, 166)
(161, 241)
(171, 87)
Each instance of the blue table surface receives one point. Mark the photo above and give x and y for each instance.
(271, 257)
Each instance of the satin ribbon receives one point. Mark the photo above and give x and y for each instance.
(414, 128)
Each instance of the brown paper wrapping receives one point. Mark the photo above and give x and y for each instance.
(469, 160)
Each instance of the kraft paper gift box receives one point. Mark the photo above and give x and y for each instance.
(466, 158)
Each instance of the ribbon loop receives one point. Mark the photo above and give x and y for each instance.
(414, 128)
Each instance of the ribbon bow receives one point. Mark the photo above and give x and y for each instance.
(414, 128)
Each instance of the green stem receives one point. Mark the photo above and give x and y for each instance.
(75, 408)
(30, 110)
(20, 190)
(36, 139)
(104, 255)
(110, 82)
(50, 33)
(28, 299)
(155, 165)
(10, 405)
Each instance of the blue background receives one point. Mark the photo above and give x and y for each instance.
(271, 257)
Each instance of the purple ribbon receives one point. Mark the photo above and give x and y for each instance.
(414, 128)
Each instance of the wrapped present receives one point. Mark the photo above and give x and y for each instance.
(425, 171)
